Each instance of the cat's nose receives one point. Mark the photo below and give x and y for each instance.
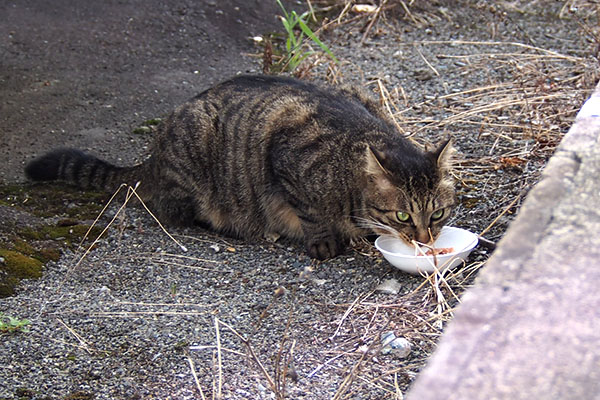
(423, 237)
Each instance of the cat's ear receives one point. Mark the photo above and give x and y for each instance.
(444, 155)
(375, 169)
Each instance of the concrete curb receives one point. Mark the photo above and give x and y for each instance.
(530, 327)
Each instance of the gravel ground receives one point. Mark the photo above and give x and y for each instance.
(137, 317)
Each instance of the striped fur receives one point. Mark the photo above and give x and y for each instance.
(262, 155)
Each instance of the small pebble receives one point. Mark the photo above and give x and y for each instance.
(280, 291)
(396, 346)
(389, 286)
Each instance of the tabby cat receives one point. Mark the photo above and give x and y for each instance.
(265, 155)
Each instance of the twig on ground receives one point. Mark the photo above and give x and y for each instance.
(356, 301)
(399, 395)
(427, 62)
(492, 43)
(386, 98)
(321, 366)
(219, 360)
(345, 385)
(137, 314)
(84, 344)
(224, 349)
(195, 376)
(91, 246)
(374, 18)
(506, 209)
(347, 382)
(100, 214)
(254, 357)
(182, 247)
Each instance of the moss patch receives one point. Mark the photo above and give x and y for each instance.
(70, 235)
(48, 200)
(79, 396)
(30, 248)
(44, 253)
(15, 266)
(47, 254)
(26, 249)
(23, 247)
(20, 265)
(148, 126)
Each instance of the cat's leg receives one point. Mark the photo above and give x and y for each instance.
(174, 205)
(319, 228)
(322, 239)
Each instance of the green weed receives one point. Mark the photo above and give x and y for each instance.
(295, 44)
(12, 324)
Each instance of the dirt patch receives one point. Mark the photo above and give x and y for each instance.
(137, 317)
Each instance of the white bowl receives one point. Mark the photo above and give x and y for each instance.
(409, 259)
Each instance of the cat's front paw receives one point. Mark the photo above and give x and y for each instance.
(323, 249)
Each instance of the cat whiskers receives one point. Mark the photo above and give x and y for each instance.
(376, 226)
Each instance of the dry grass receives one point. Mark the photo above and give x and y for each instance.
(418, 316)
(539, 100)
(545, 92)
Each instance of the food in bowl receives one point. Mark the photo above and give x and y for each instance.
(437, 251)
(457, 244)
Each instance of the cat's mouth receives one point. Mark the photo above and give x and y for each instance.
(420, 237)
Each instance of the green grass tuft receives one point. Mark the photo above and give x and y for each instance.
(297, 31)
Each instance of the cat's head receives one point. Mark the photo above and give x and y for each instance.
(408, 194)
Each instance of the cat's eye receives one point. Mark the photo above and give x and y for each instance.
(402, 216)
(437, 214)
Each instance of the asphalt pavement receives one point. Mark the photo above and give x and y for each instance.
(86, 74)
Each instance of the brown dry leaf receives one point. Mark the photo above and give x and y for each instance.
(510, 162)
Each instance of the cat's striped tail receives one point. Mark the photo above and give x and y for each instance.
(80, 169)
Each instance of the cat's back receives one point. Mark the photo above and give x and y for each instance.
(254, 101)
(326, 100)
